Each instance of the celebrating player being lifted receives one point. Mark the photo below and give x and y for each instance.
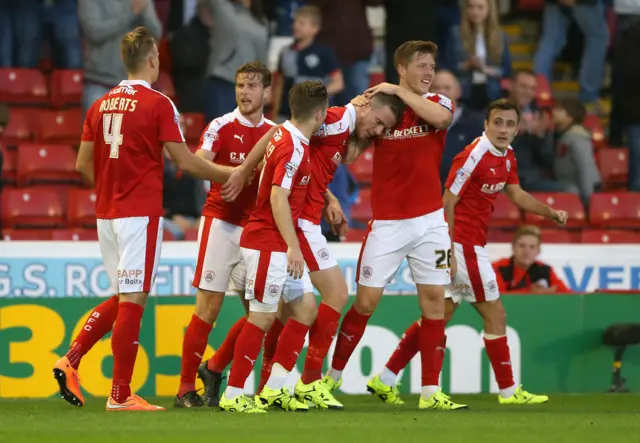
(477, 175)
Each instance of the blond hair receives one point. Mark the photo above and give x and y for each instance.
(135, 48)
(312, 12)
(493, 37)
(525, 230)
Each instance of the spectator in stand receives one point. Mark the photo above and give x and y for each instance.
(238, 35)
(574, 166)
(22, 24)
(590, 17)
(466, 123)
(346, 31)
(522, 272)
(533, 145)
(182, 198)
(104, 23)
(305, 60)
(478, 53)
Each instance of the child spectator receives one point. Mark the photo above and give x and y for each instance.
(305, 60)
(574, 164)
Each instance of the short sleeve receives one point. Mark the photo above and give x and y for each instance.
(287, 161)
(443, 101)
(88, 132)
(512, 167)
(168, 122)
(210, 139)
(459, 175)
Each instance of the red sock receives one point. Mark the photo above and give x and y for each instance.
(320, 338)
(224, 355)
(407, 348)
(351, 331)
(124, 346)
(99, 323)
(431, 351)
(290, 344)
(500, 358)
(193, 346)
(246, 352)
(270, 346)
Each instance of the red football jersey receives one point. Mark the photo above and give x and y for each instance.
(406, 167)
(127, 152)
(287, 165)
(328, 147)
(231, 138)
(477, 175)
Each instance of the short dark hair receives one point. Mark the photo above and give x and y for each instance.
(520, 72)
(405, 52)
(306, 98)
(313, 12)
(574, 108)
(135, 47)
(502, 105)
(256, 68)
(393, 102)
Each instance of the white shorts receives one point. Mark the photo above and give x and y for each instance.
(315, 249)
(475, 280)
(220, 266)
(424, 241)
(130, 249)
(268, 280)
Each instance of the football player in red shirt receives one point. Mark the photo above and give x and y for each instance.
(121, 152)
(227, 140)
(408, 220)
(275, 264)
(477, 175)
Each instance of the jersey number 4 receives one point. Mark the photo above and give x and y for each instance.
(111, 128)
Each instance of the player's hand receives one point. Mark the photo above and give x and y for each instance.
(359, 100)
(333, 212)
(295, 265)
(233, 186)
(560, 217)
(453, 271)
(384, 88)
(341, 229)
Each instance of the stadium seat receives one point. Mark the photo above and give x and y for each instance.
(355, 235)
(505, 214)
(18, 130)
(530, 5)
(362, 168)
(81, 208)
(560, 236)
(9, 165)
(46, 164)
(195, 125)
(613, 164)
(361, 209)
(32, 207)
(23, 86)
(500, 235)
(191, 234)
(375, 78)
(74, 234)
(559, 200)
(609, 236)
(615, 210)
(165, 85)
(60, 126)
(66, 87)
(594, 125)
(26, 234)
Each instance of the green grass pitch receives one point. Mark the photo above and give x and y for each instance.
(566, 418)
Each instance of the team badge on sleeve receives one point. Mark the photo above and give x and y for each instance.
(462, 176)
(444, 101)
(291, 168)
(508, 165)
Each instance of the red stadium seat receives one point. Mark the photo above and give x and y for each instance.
(165, 85)
(355, 235)
(191, 234)
(60, 126)
(375, 78)
(195, 125)
(362, 168)
(74, 234)
(9, 165)
(32, 207)
(361, 210)
(66, 87)
(26, 234)
(615, 210)
(594, 125)
(18, 130)
(23, 86)
(500, 235)
(560, 236)
(47, 164)
(505, 214)
(559, 200)
(81, 208)
(613, 164)
(609, 236)
(530, 5)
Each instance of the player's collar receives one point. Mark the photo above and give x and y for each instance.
(135, 82)
(351, 110)
(495, 151)
(295, 132)
(242, 119)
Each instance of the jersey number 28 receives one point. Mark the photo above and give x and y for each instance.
(111, 128)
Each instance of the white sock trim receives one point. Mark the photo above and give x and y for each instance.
(492, 336)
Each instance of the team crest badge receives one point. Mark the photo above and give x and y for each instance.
(508, 165)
